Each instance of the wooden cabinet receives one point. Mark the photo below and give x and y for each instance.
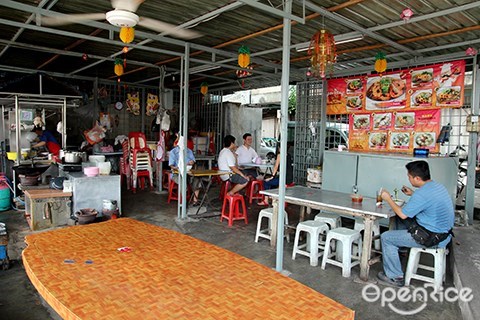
(45, 208)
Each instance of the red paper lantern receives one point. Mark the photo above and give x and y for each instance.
(322, 53)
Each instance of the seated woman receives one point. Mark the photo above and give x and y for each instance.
(274, 181)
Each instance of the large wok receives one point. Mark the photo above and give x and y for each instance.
(31, 170)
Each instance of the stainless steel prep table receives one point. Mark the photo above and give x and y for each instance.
(89, 192)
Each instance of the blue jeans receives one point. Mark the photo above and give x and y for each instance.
(392, 241)
(271, 184)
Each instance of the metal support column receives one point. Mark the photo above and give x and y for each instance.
(182, 202)
(283, 130)
(472, 147)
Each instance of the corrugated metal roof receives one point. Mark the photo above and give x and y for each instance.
(436, 28)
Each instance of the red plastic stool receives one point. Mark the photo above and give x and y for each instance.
(165, 178)
(253, 190)
(226, 185)
(143, 175)
(216, 179)
(234, 213)
(173, 190)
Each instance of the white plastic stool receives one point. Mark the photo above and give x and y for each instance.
(332, 219)
(266, 233)
(359, 225)
(313, 230)
(347, 237)
(439, 268)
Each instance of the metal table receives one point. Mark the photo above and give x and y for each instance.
(205, 184)
(89, 192)
(210, 159)
(336, 202)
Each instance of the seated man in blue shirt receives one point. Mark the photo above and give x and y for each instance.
(173, 160)
(432, 208)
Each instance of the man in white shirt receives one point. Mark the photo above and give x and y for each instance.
(227, 161)
(246, 154)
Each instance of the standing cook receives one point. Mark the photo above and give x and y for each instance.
(46, 140)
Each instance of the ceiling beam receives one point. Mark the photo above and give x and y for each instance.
(274, 11)
(29, 19)
(354, 26)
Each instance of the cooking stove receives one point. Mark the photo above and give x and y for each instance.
(70, 167)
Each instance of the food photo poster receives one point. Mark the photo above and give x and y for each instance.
(427, 87)
(394, 131)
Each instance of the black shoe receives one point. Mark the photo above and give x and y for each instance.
(195, 204)
(394, 282)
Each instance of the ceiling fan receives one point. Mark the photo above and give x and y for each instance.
(123, 15)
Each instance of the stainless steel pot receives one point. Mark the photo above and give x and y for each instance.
(72, 157)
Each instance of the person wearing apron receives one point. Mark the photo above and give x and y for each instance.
(46, 140)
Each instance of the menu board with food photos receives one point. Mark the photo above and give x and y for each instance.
(428, 87)
(394, 131)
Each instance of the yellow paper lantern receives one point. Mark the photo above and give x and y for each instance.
(127, 34)
(243, 56)
(118, 69)
(380, 62)
(204, 88)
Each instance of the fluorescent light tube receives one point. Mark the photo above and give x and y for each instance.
(339, 39)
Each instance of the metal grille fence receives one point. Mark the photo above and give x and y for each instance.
(206, 114)
(123, 121)
(308, 117)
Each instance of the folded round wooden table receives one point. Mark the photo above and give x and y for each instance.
(162, 274)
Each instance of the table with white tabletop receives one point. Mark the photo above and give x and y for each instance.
(336, 202)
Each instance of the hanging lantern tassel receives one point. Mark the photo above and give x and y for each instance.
(243, 56)
(380, 62)
(118, 69)
(204, 88)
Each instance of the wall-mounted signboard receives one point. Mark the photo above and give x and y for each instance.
(398, 111)
(428, 87)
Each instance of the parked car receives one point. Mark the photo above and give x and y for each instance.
(267, 148)
(335, 134)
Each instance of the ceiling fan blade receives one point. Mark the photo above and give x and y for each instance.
(71, 18)
(128, 5)
(163, 27)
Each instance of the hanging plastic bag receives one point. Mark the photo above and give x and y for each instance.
(161, 147)
(95, 135)
(165, 126)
